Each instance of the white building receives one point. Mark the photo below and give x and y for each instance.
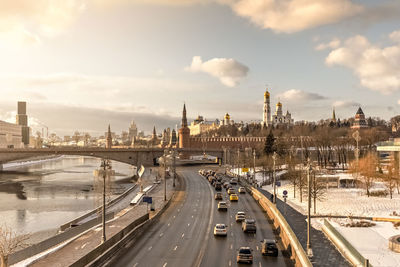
(278, 118)
(10, 135)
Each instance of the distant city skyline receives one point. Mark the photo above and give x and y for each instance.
(83, 64)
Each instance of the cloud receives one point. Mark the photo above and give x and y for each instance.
(395, 36)
(335, 43)
(24, 21)
(378, 68)
(290, 16)
(229, 71)
(299, 95)
(345, 104)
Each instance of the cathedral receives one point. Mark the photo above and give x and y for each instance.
(276, 119)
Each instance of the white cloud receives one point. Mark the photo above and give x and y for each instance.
(398, 102)
(395, 36)
(378, 68)
(290, 16)
(335, 43)
(345, 104)
(229, 71)
(299, 95)
(24, 21)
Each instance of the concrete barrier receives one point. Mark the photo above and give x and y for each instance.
(55, 240)
(288, 237)
(344, 246)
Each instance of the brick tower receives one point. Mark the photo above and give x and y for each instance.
(184, 131)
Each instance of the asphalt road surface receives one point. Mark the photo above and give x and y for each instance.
(184, 234)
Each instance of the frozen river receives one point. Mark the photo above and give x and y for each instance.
(37, 199)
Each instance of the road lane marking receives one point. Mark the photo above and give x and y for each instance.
(188, 224)
(169, 224)
(183, 235)
(192, 216)
(174, 216)
(165, 264)
(175, 247)
(259, 264)
(179, 210)
(150, 247)
(135, 264)
(231, 246)
(230, 263)
(161, 234)
(194, 210)
(231, 234)
(257, 247)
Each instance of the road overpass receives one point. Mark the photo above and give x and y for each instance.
(134, 156)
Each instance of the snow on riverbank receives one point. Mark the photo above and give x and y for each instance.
(19, 164)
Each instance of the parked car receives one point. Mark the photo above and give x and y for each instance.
(218, 196)
(242, 190)
(249, 226)
(240, 216)
(244, 254)
(222, 206)
(220, 229)
(269, 248)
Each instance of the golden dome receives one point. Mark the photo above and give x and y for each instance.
(266, 94)
(227, 117)
(279, 104)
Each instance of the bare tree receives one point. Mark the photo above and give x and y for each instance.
(317, 190)
(9, 243)
(391, 178)
(367, 168)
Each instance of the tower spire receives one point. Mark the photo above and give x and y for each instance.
(109, 137)
(333, 115)
(184, 119)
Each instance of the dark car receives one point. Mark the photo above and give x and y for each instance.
(218, 186)
(218, 196)
(269, 248)
(225, 184)
(244, 254)
(249, 226)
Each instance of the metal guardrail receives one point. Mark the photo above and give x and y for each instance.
(344, 246)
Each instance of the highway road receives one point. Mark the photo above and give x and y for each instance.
(184, 234)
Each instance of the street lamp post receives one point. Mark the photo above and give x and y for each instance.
(274, 158)
(309, 249)
(174, 166)
(104, 165)
(238, 165)
(165, 175)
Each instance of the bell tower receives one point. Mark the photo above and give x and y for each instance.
(267, 109)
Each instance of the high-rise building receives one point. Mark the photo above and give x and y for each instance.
(22, 120)
(133, 131)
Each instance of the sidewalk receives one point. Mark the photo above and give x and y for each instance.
(79, 247)
(325, 253)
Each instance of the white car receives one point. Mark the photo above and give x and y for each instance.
(220, 229)
(242, 190)
(240, 216)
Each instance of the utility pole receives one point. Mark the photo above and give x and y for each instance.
(274, 158)
(238, 165)
(309, 249)
(356, 136)
(254, 164)
(301, 171)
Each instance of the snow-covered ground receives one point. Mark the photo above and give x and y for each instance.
(371, 242)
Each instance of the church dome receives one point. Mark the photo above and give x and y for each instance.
(227, 117)
(279, 104)
(266, 94)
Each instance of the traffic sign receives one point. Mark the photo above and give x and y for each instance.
(148, 200)
(285, 192)
(245, 169)
(278, 183)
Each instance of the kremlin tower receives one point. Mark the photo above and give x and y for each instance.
(267, 109)
(184, 131)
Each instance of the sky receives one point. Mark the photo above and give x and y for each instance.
(84, 64)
